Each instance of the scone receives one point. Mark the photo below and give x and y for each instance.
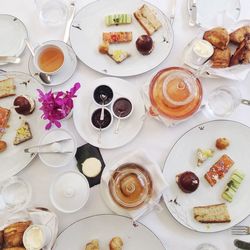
(218, 37)
(242, 53)
(240, 34)
(13, 234)
(92, 245)
(116, 243)
(221, 58)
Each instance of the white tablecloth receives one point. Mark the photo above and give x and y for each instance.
(154, 137)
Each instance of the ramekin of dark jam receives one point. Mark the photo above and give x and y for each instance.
(96, 121)
(122, 108)
(103, 95)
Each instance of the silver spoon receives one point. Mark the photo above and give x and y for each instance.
(118, 122)
(44, 77)
(103, 98)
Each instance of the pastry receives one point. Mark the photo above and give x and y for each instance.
(3, 146)
(24, 105)
(147, 19)
(4, 118)
(14, 248)
(217, 213)
(242, 53)
(1, 239)
(116, 243)
(188, 182)
(221, 58)
(13, 234)
(104, 48)
(117, 37)
(7, 88)
(117, 19)
(233, 185)
(119, 55)
(222, 143)
(219, 169)
(93, 245)
(203, 154)
(218, 37)
(144, 44)
(23, 133)
(240, 34)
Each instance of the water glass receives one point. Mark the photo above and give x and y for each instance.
(52, 12)
(223, 100)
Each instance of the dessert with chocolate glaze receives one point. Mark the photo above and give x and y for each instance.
(24, 105)
(187, 181)
(144, 44)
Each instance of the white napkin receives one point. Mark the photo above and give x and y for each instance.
(48, 218)
(159, 184)
(168, 122)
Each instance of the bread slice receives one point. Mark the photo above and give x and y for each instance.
(7, 88)
(23, 133)
(217, 213)
(4, 118)
(147, 19)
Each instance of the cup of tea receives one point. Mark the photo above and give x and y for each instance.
(48, 58)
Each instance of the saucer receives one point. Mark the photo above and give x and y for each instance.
(12, 36)
(58, 159)
(67, 70)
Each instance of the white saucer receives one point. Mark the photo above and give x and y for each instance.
(58, 159)
(12, 36)
(70, 62)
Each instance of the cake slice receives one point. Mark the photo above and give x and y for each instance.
(7, 88)
(4, 118)
(217, 213)
(118, 55)
(117, 19)
(219, 169)
(23, 133)
(147, 19)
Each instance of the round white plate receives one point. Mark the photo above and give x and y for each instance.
(182, 157)
(68, 69)
(84, 106)
(208, 11)
(12, 36)
(25, 85)
(86, 36)
(104, 228)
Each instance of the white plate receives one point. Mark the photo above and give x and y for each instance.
(25, 85)
(84, 106)
(86, 36)
(12, 36)
(208, 11)
(182, 157)
(68, 69)
(104, 228)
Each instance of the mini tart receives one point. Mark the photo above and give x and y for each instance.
(26, 105)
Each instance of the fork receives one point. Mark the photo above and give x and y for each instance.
(240, 230)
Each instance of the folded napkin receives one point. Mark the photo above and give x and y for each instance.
(168, 122)
(159, 184)
(45, 217)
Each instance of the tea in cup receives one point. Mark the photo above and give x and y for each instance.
(49, 58)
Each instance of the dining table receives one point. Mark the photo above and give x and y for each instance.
(154, 138)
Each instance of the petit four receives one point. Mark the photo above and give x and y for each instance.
(119, 55)
(203, 154)
(3, 146)
(144, 44)
(7, 88)
(188, 182)
(117, 37)
(222, 143)
(4, 118)
(24, 105)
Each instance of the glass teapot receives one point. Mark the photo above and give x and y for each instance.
(175, 93)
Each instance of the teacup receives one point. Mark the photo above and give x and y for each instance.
(49, 58)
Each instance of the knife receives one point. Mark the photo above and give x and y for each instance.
(192, 9)
(69, 21)
(10, 59)
(242, 244)
(172, 15)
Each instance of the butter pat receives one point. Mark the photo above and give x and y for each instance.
(202, 50)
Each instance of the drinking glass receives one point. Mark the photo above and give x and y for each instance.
(223, 100)
(52, 12)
